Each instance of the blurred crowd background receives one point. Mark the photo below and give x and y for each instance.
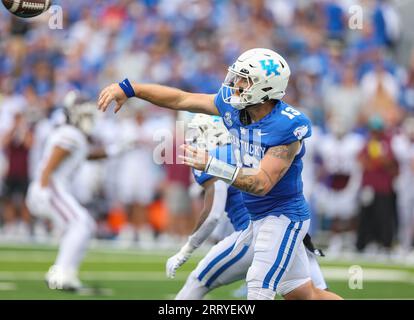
(356, 84)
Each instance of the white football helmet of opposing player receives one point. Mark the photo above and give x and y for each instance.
(258, 75)
(80, 111)
(207, 132)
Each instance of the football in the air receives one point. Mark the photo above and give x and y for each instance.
(27, 9)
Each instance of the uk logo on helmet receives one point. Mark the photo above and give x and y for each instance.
(270, 67)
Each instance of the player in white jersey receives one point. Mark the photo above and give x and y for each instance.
(50, 194)
(403, 148)
(336, 194)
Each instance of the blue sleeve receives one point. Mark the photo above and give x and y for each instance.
(201, 177)
(291, 131)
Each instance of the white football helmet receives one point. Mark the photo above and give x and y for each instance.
(80, 111)
(258, 75)
(207, 132)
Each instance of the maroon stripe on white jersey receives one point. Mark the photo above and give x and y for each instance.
(61, 199)
(58, 209)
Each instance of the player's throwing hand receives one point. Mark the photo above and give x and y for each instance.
(195, 158)
(109, 94)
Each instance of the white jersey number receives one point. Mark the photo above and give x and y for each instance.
(290, 112)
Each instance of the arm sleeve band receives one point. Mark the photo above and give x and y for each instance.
(127, 88)
(221, 169)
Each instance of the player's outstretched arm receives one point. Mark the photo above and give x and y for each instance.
(258, 181)
(163, 96)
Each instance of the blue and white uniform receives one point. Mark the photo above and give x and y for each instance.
(228, 261)
(280, 220)
(219, 267)
(235, 209)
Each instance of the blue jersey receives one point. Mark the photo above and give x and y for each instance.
(283, 125)
(235, 208)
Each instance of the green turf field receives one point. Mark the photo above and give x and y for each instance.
(130, 274)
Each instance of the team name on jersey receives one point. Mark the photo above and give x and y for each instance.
(247, 152)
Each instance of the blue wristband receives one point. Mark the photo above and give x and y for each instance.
(127, 88)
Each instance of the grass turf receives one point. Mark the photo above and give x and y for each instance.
(128, 274)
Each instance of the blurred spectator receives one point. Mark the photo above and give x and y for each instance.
(378, 217)
(138, 176)
(408, 86)
(343, 100)
(336, 71)
(339, 182)
(16, 143)
(381, 92)
(176, 186)
(387, 23)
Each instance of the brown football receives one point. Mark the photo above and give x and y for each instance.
(27, 9)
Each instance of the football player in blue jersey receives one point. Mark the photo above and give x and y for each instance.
(268, 141)
(216, 270)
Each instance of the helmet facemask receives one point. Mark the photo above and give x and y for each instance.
(237, 89)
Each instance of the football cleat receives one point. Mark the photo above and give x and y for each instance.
(60, 279)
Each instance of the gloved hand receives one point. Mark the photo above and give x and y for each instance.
(38, 200)
(177, 260)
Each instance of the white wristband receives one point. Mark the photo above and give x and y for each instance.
(221, 169)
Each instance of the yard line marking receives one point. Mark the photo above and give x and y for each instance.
(42, 258)
(94, 276)
(95, 292)
(7, 286)
(329, 273)
(369, 274)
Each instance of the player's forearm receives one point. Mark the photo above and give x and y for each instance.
(272, 168)
(163, 96)
(175, 99)
(45, 178)
(254, 181)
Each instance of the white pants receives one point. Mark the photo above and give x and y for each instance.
(280, 263)
(254, 252)
(316, 272)
(67, 214)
